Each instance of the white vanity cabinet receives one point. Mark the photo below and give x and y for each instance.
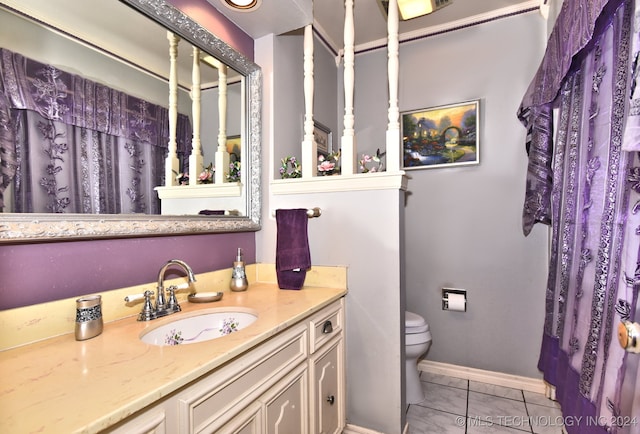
(293, 382)
(283, 409)
(327, 397)
(327, 371)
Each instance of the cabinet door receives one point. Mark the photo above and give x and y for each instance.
(286, 405)
(249, 421)
(327, 394)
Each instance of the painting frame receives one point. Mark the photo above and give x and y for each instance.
(323, 137)
(441, 136)
(234, 144)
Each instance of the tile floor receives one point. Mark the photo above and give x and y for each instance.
(453, 405)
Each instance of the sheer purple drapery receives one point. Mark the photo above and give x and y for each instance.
(587, 188)
(74, 145)
(577, 22)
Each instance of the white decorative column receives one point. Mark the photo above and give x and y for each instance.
(309, 145)
(172, 165)
(222, 155)
(195, 159)
(393, 128)
(347, 144)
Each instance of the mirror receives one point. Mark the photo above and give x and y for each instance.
(26, 227)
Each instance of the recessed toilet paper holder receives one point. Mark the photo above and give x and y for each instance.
(457, 292)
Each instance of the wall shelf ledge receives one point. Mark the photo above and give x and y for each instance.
(358, 182)
(228, 189)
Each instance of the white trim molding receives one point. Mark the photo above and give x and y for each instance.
(536, 385)
(525, 6)
(355, 182)
(354, 429)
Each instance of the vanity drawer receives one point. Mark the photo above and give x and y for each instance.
(326, 324)
(205, 407)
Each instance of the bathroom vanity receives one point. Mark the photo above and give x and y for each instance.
(283, 373)
(292, 383)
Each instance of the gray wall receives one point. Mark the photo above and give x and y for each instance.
(324, 103)
(288, 98)
(463, 225)
(289, 95)
(210, 126)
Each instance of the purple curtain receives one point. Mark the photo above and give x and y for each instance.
(73, 145)
(587, 188)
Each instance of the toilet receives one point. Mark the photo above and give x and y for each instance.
(417, 342)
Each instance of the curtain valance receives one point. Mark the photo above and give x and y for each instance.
(62, 96)
(69, 144)
(575, 29)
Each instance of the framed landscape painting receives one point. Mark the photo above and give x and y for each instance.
(233, 148)
(441, 136)
(322, 137)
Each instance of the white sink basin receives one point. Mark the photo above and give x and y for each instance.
(198, 327)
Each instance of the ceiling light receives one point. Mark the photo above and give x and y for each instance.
(242, 5)
(415, 8)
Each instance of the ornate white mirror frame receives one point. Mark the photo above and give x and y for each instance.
(43, 227)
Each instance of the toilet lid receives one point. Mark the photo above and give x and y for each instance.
(413, 320)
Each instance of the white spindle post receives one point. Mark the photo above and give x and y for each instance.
(393, 128)
(309, 145)
(222, 156)
(348, 148)
(195, 159)
(172, 165)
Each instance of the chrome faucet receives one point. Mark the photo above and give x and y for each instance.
(163, 306)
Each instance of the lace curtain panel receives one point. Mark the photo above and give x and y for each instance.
(71, 145)
(587, 188)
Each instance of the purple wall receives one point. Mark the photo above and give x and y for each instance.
(37, 273)
(208, 17)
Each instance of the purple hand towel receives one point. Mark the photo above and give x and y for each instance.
(293, 258)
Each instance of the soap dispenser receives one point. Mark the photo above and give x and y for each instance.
(239, 280)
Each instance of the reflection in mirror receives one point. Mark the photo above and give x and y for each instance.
(143, 79)
(83, 145)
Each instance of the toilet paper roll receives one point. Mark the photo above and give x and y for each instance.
(457, 302)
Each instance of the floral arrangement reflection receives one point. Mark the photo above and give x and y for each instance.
(206, 176)
(234, 172)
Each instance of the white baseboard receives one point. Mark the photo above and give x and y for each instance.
(491, 377)
(354, 429)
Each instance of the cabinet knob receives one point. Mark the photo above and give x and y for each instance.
(331, 399)
(327, 327)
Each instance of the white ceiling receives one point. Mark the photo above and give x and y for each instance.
(280, 16)
(94, 21)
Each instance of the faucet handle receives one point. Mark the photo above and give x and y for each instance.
(172, 303)
(135, 297)
(147, 313)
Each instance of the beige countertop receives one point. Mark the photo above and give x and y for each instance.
(60, 385)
